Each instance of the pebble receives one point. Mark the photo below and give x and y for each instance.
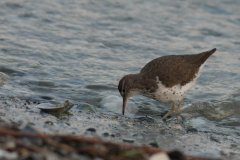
(128, 140)
(154, 144)
(192, 130)
(49, 123)
(91, 130)
(112, 135)
(215, 139)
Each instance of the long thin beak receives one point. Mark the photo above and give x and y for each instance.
(124, 104)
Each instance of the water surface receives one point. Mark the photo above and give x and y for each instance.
(79, 50)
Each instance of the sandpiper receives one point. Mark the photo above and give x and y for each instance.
(165, 79)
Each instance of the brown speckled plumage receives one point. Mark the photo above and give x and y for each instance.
(175, 69)
(166, 78)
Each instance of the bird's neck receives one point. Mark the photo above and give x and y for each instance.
(142, 85)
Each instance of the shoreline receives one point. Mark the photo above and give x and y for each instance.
(173, 135)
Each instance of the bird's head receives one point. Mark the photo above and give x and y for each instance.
(128, 87)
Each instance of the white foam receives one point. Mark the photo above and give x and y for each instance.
(115, 103)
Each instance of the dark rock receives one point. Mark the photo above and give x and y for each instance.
(46, 97)
(112, 135)
(192, 130)
(91, 130)
(105, 134)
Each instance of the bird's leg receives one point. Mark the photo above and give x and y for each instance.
(173, 108)
(179, 106)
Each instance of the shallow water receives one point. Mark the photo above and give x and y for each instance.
(79, 50)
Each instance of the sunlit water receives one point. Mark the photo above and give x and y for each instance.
(80, 49)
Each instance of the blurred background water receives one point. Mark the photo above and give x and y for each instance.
(80, 49)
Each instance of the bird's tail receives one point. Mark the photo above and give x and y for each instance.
(200, 58)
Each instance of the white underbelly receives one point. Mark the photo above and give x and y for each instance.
(176, 93)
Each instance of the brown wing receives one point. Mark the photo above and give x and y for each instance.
(175, 69)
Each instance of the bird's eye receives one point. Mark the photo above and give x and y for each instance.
(123, 90)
